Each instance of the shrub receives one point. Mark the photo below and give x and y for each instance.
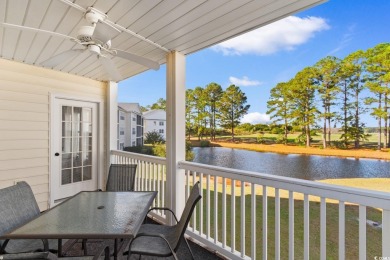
(154, 138)
(204, 143)
(281, 139)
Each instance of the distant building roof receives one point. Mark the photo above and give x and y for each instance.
(157, 114)
(130, 107)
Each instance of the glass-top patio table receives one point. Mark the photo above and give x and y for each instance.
(88, 215)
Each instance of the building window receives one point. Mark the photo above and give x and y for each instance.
(154, 122)
(133, 131)
(161, 131)
(161, 123)
(134, 119)
(133, 144)
(122, 117)
(122, 132)
(121, 146)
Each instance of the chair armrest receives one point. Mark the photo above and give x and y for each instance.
(167, 209)
(106, 250)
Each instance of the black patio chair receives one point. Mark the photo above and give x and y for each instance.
(121, 177)
(164, 241)
(17, 207)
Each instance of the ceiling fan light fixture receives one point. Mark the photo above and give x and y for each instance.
(94, 48)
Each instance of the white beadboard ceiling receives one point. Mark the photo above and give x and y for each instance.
(183, 26)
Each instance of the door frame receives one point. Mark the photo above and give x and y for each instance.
(101, 158)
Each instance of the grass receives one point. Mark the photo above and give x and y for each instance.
(351, 226)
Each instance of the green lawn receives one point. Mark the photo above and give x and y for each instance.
(351, 227)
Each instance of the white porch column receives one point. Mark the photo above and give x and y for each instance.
(175, 143)
(112, 121)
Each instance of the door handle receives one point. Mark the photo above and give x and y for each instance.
(57, 154)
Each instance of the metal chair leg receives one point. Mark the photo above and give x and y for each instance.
(189, 248)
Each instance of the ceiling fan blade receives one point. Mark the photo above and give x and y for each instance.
(138, 59)
(110, 68)
(26, 28)
(64, 56)
(104, 32)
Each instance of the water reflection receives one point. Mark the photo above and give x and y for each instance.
(297, 166)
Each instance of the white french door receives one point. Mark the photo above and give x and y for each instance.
(74, 148)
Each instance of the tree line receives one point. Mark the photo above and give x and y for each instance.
(210, 108)
(331, 92)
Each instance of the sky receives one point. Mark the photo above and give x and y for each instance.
(258, 60)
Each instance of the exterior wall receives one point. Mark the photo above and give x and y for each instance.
(25, 121)
(155, 120)
(121, 129)
(128, 121)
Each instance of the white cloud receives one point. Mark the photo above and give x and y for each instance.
(244, 82)
(284, 34)
(256, 118)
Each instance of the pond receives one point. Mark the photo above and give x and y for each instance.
(308, 167)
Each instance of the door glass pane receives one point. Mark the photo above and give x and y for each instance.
(87, 115)
(66, 129)
(77, 174)
(87, 173)
(77, 114)
(66, 160)
(87, 159)
(76, 159)
(76, 130)
(77, 147)
(66, 113)
(87, 129)
(66, 145)
(66, 177)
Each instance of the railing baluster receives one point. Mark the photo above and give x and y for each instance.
(215, 209)
(341, 230)
(163, 188)
(265, 223)
(253, 221)
(277, 224)
(223, 212)
(233, 215)
(386, 233)
(362, 232)
(306, 229)
(158, 184)
(208, 206)
(291, 225)
(194, 215)
(323, 229)
(242, 219)
(201, 205)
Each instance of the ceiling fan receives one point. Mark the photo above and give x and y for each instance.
(95, 38)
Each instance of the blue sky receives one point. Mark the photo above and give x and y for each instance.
(258, 60)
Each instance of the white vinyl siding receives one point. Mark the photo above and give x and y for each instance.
(24, 121)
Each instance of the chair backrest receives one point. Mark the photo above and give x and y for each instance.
(195, 196)
(121, 177)
(17, 206)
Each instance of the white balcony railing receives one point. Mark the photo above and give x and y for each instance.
(255, 215)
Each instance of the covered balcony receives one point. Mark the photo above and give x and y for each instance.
(58, 126)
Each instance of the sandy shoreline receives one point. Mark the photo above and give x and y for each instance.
(287, 149)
